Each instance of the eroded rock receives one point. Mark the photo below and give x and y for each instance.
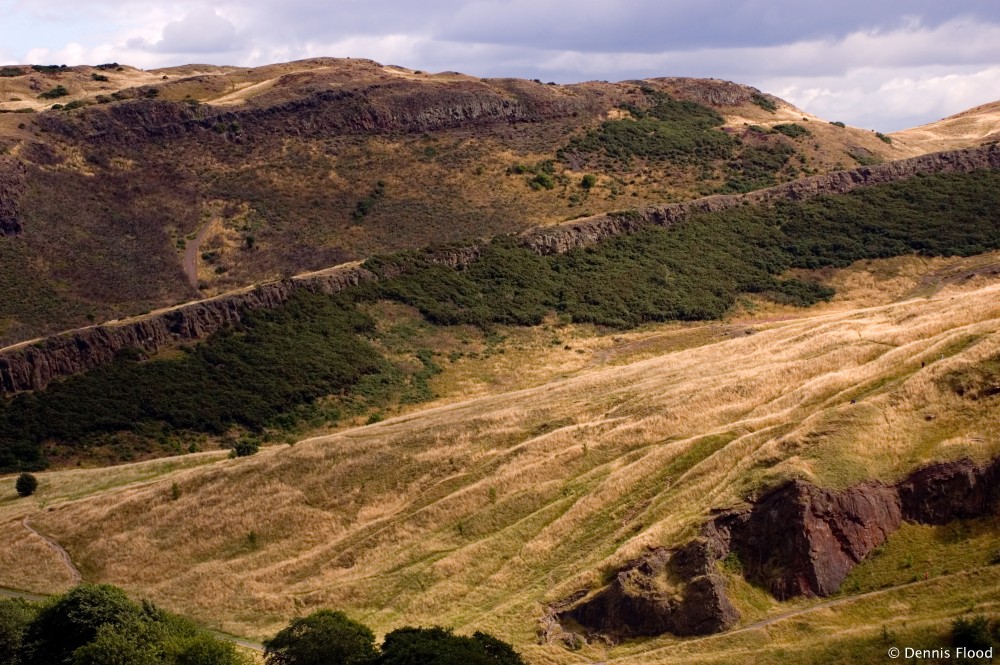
(797, 540)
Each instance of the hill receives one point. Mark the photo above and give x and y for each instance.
(979, 125)
(137, 190)
(503, 506)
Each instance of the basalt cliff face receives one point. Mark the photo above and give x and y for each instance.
(797, 540)
(12, 184)
(32, 366)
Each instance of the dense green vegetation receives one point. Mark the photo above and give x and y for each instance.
(688, 133)
(668, 129)
(251, 377)
(269, 372)
(99, 625)
(26, 484)
(326, 636)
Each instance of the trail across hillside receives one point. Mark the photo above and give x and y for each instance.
(58, 549)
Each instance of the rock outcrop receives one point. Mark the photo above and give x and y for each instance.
(32, 366)
(564, 237)
(797, 540)
(12, 184)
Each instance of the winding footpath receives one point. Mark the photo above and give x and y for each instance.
(58, 549)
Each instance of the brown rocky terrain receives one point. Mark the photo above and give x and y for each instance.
(259, 174)
(33, 365)
(796, 540)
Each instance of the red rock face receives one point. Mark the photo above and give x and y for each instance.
(801, 540)
(797, 540)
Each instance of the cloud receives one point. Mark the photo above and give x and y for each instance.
(868, 63)
(201, 31)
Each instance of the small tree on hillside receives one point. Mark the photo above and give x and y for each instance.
(26, 484)
(322, 637)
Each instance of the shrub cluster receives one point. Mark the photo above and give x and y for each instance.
(99, 625)
(668, 129)
(342, 640)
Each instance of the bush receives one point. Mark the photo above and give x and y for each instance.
(54, 93)
(837, 123)
(99, 77)
(26, 484)
(791, 130)
(438, 646)
(588, 181)
(322, 637)
(99, 625)
(245, 447)
(973, 633)
(883, 138)
(764, 102)
(10, 72)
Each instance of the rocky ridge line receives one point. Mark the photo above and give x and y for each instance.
(796, 540)
(33, 365)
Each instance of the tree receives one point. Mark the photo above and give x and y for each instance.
(324, 637)
(26, 484)
(73, 620)
(439, 646)
(15, 615)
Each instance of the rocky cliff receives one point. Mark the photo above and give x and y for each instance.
(33, 366)
(797, 540)
(12, 184)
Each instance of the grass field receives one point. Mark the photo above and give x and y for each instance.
(515, 488)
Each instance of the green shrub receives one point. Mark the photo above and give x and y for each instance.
(542, 180)
(764, 102)
(791, 130)
(322, 637)
(883, 138)
(972, 633)
(54, 93)
(438, 646)
(669, 129)
(245, 447)
(10, 72)
(99, 77)
(366, 205)
(49, 69)
(588, 181)
(837, 123)
(26, 484)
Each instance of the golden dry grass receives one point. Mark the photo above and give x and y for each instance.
(476, 512)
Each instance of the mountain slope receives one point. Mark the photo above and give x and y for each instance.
(977, 126)
(153, 188)
(499, 506)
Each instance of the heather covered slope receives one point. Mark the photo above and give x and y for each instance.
(500, 506)
(153, 188)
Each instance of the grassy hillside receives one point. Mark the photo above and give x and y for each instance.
(499, 505)
(151, 188)
(320, 359)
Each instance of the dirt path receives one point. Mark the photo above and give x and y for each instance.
(57, 548)
(191, 251)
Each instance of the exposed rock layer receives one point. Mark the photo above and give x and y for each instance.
(797, 540)
(33, 366)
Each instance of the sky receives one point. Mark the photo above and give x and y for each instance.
(878, 64)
